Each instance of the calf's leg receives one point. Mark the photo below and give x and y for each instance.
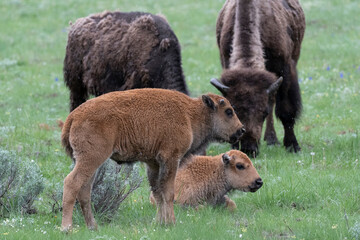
(78, 185)
(230, 204)
(163, 191)
(84, 197)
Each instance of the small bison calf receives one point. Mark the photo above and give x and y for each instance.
(207, 179)
(156, 126)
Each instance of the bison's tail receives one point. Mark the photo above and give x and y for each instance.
(65, 135)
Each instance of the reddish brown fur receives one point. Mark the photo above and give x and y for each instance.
(209, 178)
(259, 41)
(115, 51)
(155, 126)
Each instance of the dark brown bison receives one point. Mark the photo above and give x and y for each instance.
(259, 42)
(156, 126)
(115, 51)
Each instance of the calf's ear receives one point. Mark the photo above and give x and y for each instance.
(208, 101)
(226, 159)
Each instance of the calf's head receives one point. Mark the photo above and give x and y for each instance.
(251, 93)
(240, 172)
(224, 122)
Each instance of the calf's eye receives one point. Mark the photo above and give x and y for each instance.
(240, 166)
(229, 112)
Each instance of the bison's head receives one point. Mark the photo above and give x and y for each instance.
(251, 93)
(240, 172)
(224, 123)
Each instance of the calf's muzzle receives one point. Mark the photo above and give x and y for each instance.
(237, 135)
(256, 185)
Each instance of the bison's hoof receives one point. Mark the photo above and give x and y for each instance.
(271, 140)
(293, 148)
(66, 229)
(93, 227)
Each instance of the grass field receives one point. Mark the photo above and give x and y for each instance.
(314, 194)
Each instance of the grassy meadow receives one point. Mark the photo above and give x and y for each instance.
(314, 194)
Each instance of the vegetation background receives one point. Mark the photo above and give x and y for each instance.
(314, 194)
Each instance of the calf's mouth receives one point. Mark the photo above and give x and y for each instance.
(234, 138)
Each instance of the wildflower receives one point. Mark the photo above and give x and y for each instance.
(312, 154)
(244, 229)
(56, 79)
(317, 115)
(310, 78)
(341, 75)
(134, 200)
(328, 68)
(334, 226)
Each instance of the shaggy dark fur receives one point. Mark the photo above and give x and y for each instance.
(259, 41)
(114, 51)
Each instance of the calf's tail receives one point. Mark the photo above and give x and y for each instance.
(65, 134)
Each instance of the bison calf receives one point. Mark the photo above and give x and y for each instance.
(115, 51)
(156, 126)
(208, 179)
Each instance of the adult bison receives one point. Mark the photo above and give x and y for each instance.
(156, 126)
(259, 44)
(115, 51)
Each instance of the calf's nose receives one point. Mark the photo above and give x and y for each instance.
(240, 132)
(258, 182)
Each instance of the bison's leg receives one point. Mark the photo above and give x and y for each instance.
(230, 204)
(77, 179)
(78, 182)
(153, 174)
(288, 106)
(84, 198)
(163, 189)
(78, 95)
(270, 134)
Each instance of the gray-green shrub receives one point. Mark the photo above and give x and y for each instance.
(20, 184)
(112, 184)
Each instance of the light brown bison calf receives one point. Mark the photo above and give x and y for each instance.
(207, 179)
(156, 126)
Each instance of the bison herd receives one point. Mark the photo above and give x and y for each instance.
(142, 111)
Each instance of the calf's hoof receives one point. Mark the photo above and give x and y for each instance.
(166, 219)
(230, 204)
(66, 228)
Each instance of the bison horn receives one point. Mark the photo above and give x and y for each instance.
(275, 86)
(221, 87)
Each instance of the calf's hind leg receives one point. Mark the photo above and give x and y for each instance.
(78, 185)
(84, 197)
(162, 184)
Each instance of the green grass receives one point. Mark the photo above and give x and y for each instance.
(311, 195)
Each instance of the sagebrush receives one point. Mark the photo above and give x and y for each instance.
(21, 182)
